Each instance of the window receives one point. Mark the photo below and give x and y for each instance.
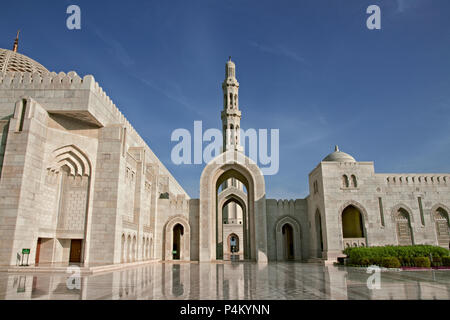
(380, 205)
(316, 187)
(442, 227)
(422, 218)
(345, 182)
(404, 232)
(354, 182)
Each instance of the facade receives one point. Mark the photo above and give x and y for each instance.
(78, 184)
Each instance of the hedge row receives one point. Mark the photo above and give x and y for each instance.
(396, 256)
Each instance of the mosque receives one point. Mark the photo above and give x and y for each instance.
(78, 184)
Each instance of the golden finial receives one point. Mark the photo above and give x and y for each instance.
(16, 42)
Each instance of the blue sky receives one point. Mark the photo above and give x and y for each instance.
(308, 68)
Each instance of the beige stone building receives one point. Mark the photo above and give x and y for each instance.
(79, 184)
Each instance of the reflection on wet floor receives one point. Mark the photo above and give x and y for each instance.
(235, 281)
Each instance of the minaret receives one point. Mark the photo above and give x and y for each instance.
(16, 42)
(231, 124)
(231, 116)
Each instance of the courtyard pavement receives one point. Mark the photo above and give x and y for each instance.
(229, 281)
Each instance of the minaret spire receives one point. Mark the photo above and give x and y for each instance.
(231, 115)
(16, 42)
(231, 122)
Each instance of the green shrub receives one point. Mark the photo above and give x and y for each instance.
(391, 262)
(423, 262)
(364, 262)
(404, 253)
(446, 261)
(375, 261)
(436, 262)
(406, 261)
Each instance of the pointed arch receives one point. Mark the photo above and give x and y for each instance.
(440, 214)
(297, 236)
(73, 157)
(185, 249)
(345, 181)
(232, 164)
(122, 252)
(359, 241)
(395, 209)
(354, 181)
(402, 218)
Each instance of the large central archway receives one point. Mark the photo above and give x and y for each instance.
(232, 165)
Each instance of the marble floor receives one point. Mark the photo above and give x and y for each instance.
(230, 281)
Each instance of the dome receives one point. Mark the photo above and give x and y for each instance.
(339, 156)
(14, 61)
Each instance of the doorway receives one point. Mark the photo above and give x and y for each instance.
(75, 250)
(233, 244)
(288, 235)
(38, 250)
(176, 248)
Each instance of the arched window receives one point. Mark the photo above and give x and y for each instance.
(143, 249)
(345, 182)
(129, 248)
(442, 227)
(134, 249)
(352, 223)
(404, 232)
(122, 255)
(354, 182)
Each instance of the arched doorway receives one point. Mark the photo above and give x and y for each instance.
(233, 243)
(178, 232)
(232, 215)
(288, 241)
(353, 227)
(442, 227)
(177, 240)
(228, 165)
(404, 231)
(232, 204)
